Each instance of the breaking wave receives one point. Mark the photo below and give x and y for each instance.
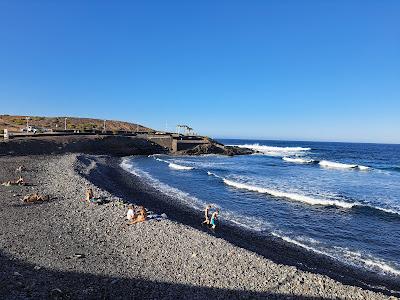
(336, 165)
(127, 166)
(280, 194)
(274, 150)
(179, 167)
(303, 198)
(246, 222)
(174, 166)
(298, 160)
(345, 255)
(162, 187)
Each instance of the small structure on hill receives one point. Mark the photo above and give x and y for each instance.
(187, 130)
(6, 134)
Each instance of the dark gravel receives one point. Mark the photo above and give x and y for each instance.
(67, 249)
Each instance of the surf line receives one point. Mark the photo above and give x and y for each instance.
(173, 165)
(279, 194)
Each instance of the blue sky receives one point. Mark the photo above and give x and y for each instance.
(303, 70)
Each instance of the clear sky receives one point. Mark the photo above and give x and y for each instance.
(303, 70)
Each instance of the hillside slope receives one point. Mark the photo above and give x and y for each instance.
(15, 123)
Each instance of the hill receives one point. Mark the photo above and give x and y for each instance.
(16, 123)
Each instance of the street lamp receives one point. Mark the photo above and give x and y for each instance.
(65, 123)
(104, 126)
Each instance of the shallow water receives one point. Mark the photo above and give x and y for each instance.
(338, 199)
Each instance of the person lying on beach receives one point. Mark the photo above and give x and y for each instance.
(141, 216)
(131, 213)
(214, 217)
(206, 218)
(35, 198)
(19, 181)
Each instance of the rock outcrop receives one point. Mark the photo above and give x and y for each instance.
(215, 148)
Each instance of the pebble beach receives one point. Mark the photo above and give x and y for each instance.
(66, 248)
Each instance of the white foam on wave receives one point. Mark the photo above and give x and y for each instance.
(179, 167)
(280, 194)
(159, 159)
(368, 260)
(298, 160)
(386, 210)
(243, 221)
(345, 255)
(128, 166)
(174, 165)
(175, 193)
(292, 241)
(274, 150)
(213, 174)
(336, 165)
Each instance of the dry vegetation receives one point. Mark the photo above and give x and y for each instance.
(15, 123)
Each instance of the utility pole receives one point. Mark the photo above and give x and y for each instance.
(166, 126)
(27, 123)
(104, 126)
(65, 123)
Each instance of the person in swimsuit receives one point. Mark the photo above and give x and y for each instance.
(214, 217)
(141, 216)
(206, 211)
(131, 213)
(89, 195)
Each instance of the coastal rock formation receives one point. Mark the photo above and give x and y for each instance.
(216, 148)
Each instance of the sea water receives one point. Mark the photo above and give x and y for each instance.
(341, 200)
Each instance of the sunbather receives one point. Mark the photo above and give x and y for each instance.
(19, 181)
(139, 217)
(35, 198)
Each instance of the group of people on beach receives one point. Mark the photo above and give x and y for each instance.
(139, 214)
(212, 222)
(136, 216)
(30, 198)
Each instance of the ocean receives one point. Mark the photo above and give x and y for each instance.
(341, 200)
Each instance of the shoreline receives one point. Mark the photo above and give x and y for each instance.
(67, 249)
(268, 246)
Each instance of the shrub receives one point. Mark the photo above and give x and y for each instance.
(19, 121)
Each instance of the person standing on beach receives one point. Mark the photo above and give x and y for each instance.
(214, 217)
(89, 194)
(206, 211)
